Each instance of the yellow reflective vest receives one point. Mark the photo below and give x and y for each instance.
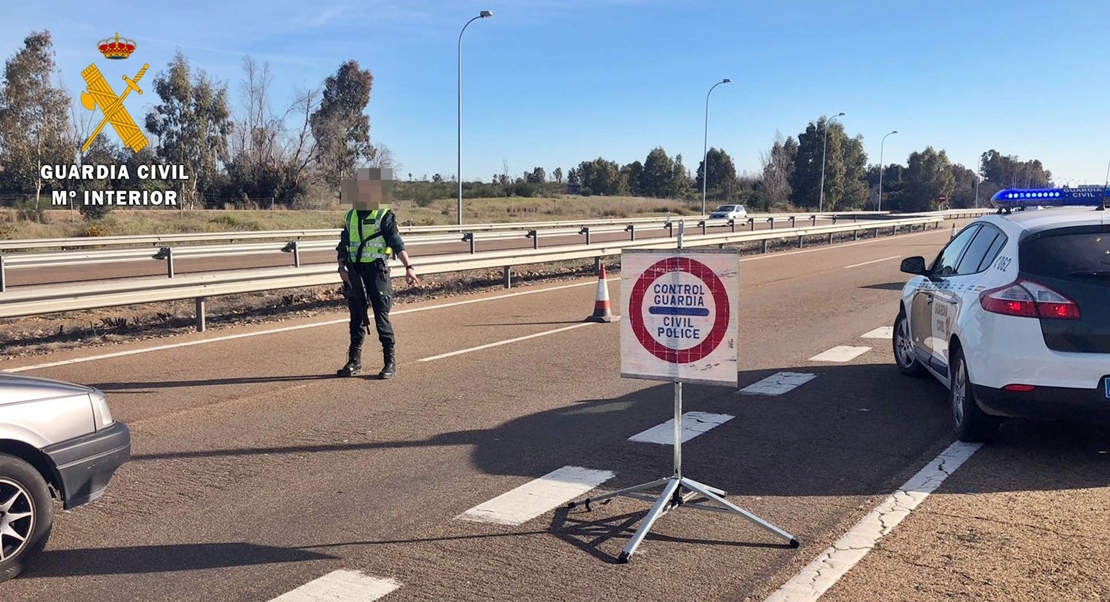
(366, 236)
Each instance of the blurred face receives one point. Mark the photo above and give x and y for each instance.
(371, 189)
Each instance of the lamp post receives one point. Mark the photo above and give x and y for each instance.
(879, 206)
(705, 145)
(821, 202)
(458, 172)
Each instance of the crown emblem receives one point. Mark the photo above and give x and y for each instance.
(116, 48)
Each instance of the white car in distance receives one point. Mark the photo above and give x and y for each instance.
(726, 212)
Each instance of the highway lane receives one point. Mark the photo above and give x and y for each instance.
(253, 475)
(16, 277)
(283, 415)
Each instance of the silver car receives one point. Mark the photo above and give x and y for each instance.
(733, 212)
(57, 441)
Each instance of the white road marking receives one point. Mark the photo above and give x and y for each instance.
(288, 328)
(778, 384)
(836, 246)
(535, 497)
(505, 342)
(341, 586)
(856, 265)
(843, 353)
(693, 424)
(815, 579)
(882, 332)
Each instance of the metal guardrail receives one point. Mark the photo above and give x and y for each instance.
(39, 300)
(286, 235)
(297, 246)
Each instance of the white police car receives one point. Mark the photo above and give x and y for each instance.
(1013, 315)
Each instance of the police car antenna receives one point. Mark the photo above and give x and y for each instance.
(1105, 189)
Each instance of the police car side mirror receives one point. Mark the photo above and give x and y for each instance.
(914, 265)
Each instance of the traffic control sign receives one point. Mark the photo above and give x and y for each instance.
(681, 309)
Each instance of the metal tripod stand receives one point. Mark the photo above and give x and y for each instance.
(673, 496)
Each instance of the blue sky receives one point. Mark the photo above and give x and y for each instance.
(551, 83)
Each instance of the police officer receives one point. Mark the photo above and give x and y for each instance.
(368, 239)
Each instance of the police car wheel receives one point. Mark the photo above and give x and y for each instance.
(904, 354)
(971, 423)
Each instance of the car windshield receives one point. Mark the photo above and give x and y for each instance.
(1071, 253)
(727, 208)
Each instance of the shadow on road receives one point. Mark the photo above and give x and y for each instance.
(586, 535)
(158, 559)
(859, 429)
(551, 323)
(117, 387)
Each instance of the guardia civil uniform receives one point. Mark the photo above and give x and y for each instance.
(368, 241)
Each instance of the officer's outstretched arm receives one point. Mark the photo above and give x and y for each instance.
(410, 271)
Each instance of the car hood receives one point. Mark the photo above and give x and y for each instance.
(16, 388)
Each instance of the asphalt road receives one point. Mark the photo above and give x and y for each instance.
(256, 472)
(24, 276)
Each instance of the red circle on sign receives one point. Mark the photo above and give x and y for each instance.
(720, 299)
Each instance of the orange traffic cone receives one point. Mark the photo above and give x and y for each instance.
(602, 311)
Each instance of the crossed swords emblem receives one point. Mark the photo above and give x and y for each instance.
(100, 93)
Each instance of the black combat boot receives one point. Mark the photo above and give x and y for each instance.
(354, 362)
(389, 371)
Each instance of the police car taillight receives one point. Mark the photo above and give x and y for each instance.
(1028, 299)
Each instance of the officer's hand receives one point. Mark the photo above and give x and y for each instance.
(346, 277)
(412, 279)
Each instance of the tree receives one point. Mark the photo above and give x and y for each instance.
(383, 157)
(892, 184)
(662, 176)
(845, 166)
(536, 176)
(681, 183)
(963, 188)
(258, 167)
(340, 124)
(805, 177)
(34, 122)
(192, 123)
(721, 181)
(573, 177)
(928, 175)
(600, 176)
(778, 167)
(558, 173)
(633, 172)
(1005, 171)
(849, 190)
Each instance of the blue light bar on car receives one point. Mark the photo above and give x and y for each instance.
(1087, 196)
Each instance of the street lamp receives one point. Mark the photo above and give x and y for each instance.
(821, 203)
(705, 145)
(879, 206)
(458, 172)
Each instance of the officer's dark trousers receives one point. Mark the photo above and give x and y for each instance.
(370, 285)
